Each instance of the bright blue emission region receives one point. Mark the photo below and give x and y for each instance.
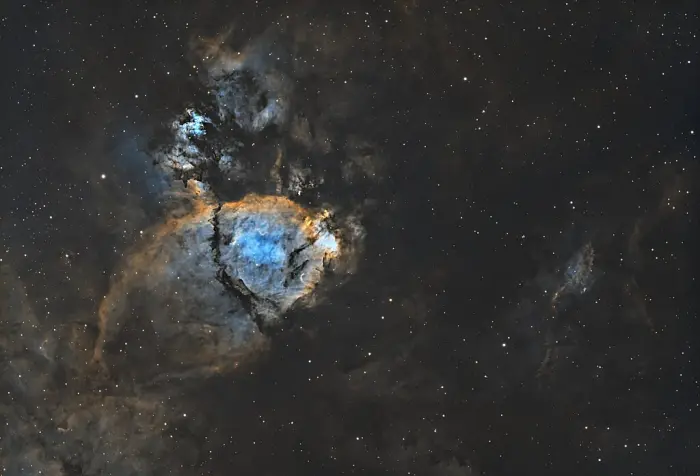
(261, 244)
(195, 126)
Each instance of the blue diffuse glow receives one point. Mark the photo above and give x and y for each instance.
(195, 126)
(260, 241)
(327, 241)
(578, 275)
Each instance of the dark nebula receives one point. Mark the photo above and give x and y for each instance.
(367, 238)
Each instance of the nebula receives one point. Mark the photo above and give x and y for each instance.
(227, 271)
(275, 248)
(226, 274)
(577, 276)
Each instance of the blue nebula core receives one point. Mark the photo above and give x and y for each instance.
(261, 241)
(262, 248)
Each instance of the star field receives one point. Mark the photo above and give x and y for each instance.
(512, 189)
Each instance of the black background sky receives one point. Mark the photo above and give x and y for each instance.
(511, 134)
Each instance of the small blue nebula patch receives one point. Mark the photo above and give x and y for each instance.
(261, 242)
(327, 241)
(195, 126)
(578, 274)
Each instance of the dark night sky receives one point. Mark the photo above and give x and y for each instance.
(491, 145)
